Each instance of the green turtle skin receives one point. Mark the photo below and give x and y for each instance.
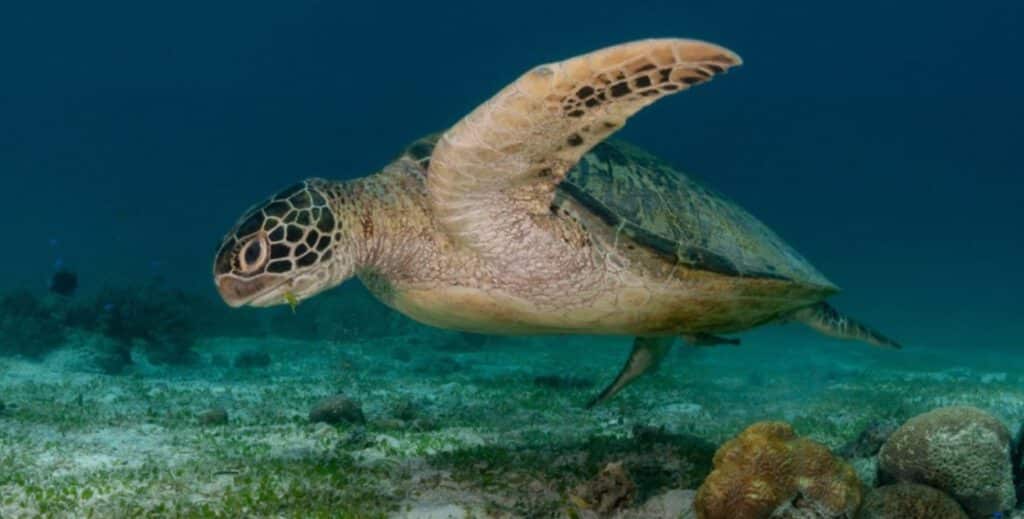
(523, 219)
(707, 286)
(627, 279)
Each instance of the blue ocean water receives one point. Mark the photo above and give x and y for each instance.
(880, 139)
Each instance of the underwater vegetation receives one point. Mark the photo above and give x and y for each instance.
(347, 429)
(161, 321)
(819, 463)
(897, 460)
(30, 325)
(164, 324)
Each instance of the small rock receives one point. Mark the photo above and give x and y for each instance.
(252, 359)
(213, 416)
(611, 491)
(336, 410)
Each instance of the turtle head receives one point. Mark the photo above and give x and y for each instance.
(283, 250)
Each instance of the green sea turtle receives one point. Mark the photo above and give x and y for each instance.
(522, 219)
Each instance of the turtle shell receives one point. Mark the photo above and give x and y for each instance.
(673, 214)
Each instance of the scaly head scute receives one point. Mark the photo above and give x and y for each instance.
(288, 246)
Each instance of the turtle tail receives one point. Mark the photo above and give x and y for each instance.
(824, 318)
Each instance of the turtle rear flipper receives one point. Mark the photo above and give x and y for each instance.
(824, 318)
(646, 356)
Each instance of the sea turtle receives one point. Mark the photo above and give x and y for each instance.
(523, 219)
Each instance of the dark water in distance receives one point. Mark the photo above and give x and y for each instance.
(881, 139)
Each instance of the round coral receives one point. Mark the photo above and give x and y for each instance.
(909, 501)
(963, 451)
(768, 471)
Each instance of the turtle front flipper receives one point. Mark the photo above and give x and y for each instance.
(824, 318)
(646, 356)
(494, 173)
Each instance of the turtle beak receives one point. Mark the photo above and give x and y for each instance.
(238, 292)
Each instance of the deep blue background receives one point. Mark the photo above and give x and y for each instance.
(883, 139)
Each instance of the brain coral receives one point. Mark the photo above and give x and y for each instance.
(767, 471)
(962, 451)
(909, 501)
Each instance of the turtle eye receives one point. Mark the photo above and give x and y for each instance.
(253, 255)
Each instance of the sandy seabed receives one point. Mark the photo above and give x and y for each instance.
(497, 430)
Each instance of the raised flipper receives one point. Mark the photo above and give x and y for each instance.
(494, 173)
(706, 339)
(646, 356)
(824, 318)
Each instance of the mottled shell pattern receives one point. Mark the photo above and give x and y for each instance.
(672, 213)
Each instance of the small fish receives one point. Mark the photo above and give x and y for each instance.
(292, 301)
